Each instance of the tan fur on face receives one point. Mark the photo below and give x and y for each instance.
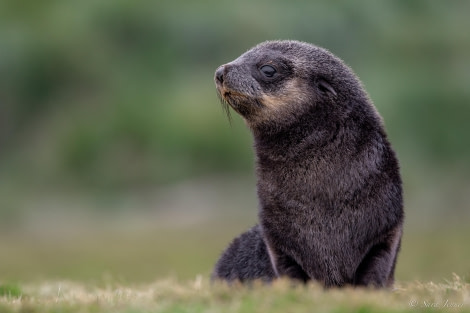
(292, 92)
(283, 103)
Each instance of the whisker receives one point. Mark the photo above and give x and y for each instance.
(225, 107)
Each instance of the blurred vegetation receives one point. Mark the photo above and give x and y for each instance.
(117, 93)
(111, 99)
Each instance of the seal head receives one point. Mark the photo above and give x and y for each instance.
(276, 82)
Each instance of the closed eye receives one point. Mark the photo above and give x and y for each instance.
(268, 70)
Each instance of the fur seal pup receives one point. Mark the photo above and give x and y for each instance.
(328, 181)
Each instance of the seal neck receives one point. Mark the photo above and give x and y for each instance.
(312, 130)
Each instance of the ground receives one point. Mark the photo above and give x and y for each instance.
(199, 295)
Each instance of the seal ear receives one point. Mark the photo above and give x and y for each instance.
(325, 87)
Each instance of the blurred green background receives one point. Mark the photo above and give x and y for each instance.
(116, 159)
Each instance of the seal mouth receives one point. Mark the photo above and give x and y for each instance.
(230, 99)
(241, 103)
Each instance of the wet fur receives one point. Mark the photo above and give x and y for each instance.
(329, 188)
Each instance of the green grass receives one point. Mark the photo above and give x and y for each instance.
(137, 266)
(145, 253)
(10, 290)
(198, 295)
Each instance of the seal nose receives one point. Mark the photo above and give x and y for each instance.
(219, 74)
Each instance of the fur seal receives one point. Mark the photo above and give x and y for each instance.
(328, 181)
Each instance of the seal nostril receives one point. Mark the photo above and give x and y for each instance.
(219, 74)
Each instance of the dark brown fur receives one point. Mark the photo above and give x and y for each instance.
(329, 188)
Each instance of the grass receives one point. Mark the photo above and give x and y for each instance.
(145, 253)
(10, 290)
(162, 263)
(199, 295)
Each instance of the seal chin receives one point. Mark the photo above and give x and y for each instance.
(232, 98)
(244, 105)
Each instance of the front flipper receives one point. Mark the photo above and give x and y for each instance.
(377, 267)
